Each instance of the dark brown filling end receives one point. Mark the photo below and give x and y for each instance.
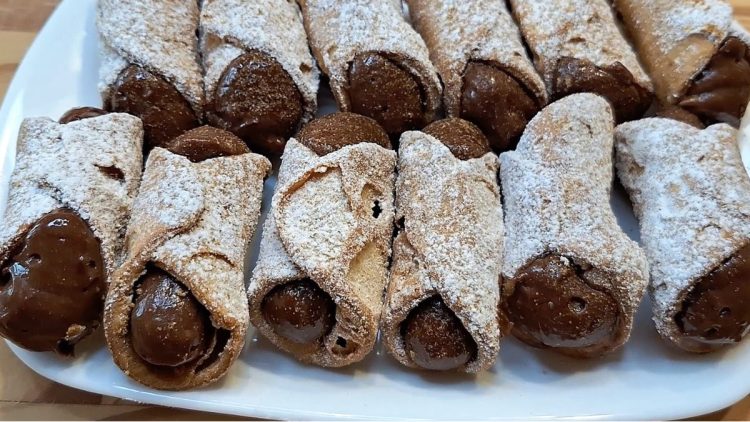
(206, 142)
(435, 338)
(81, 113)
(721, 91)
(552, 305)
(168, 327)
(52, 285)
(332, 132)
(461, 137)
(300, 311)
(258, 101)
(679, 114)
(164, 111)
(716, 311)
(615, 83)
(380, 88)
(496, 102)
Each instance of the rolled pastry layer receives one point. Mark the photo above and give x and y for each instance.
(261, 79)
(488, 76)
(578, 47)
(697, 56)
(691, 195)
(572, 280)
(61, 236)
(149, 64)
(317, 289)
(176, 314)
(442, 301)
(377, 64)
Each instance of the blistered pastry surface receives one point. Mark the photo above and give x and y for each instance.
(451, 243)
(691, 195)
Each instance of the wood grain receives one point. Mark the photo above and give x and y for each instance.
(20, 20)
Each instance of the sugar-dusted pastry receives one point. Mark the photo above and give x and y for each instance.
(176, 314)
(691, 195)
(578, 47)
(572, 280)
(442, 302)
(317, 289)
(697, 56)
(149, 64)
(377, 64)
(61, 236)
(489, 79)
(261, 79)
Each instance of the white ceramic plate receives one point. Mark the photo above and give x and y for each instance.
(645, 380)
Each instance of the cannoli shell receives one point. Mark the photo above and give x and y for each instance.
(229, 28)
(193, 220)
(556, 190)
(451, 244)
(457, 33)
(159, 35)
(341, 29)
(691, 194)
(322, 226)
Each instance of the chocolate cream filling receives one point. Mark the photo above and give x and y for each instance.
(206, 142)
(382, 89)
(716, 310)
(258, 101)
(435, 338)
(615, 83)
(162, 108)
(463, 139)
(552, 305)
(52, 284)
(496, 102)
(721, 91)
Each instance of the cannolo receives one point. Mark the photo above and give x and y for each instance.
(378, 66)
(175, 316)
(317, 289)
(691, 195)
(442, 302)
(261, 80)
(488, 77)
(696, 54)
(572, 280)
(61, 236)
(149, 64)
(578, 47)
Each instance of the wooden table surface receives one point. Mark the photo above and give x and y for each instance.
(26, 395)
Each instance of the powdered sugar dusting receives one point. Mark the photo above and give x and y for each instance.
(676, 39)
(215, 205)
(59, 165)
(451, 243)
(581, 29)
(340, 29)
(691, 194)
(322, 226)
(156, 34)
(273, 27)
(459, 31)
(556, 188)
